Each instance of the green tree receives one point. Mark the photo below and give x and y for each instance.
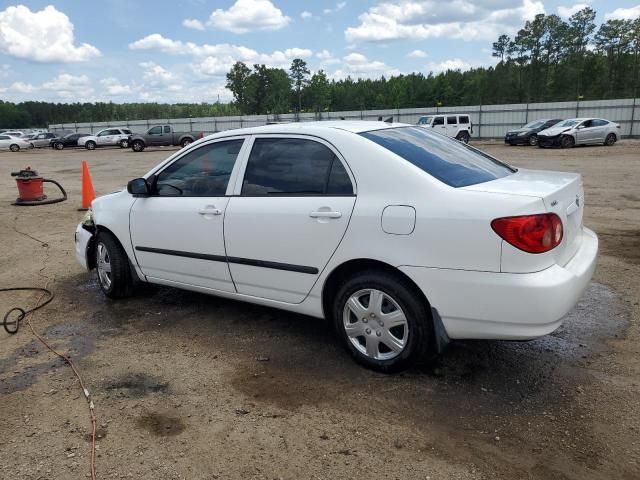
(318, 91)
(298, 72)
(237, 82)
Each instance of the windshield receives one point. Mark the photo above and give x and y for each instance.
(450, 161)
(535, 124)
(424, 121)
(568, 123)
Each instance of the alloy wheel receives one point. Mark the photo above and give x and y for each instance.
(104, 266)
(375, 324)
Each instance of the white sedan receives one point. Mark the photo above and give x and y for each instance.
(14, 144)
(106, 137)
(580, 131)
(403, 238)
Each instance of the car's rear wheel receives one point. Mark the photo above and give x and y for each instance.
(185, 142)
(382, 321)
(90, 145)
(567, 141)
(112, 267)
(123, 143)
(533, 140)
(463, 137)
(137, 146)
(14, 148)
(610, 140)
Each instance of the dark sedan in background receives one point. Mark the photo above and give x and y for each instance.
(70, 140)
(528, 135)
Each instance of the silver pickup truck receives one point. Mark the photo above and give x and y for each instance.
(160, 136)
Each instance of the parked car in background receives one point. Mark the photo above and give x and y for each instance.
(459, 245)
(161, 136)
(456, 126)
(528, 134)
(580, 131)
(70, 140)
(14, 133)
(14, 144)
(106, 137)
(39, 140)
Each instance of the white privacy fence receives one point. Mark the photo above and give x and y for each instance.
(490, 121)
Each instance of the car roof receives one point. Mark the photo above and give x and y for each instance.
(353, 126)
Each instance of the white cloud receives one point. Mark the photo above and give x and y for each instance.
(459, 64)
(20, 87)
(458, 19)
(217, 60)
(356, 65)
(41, 36)
(417, 54)
(193, 23)
(623, 13)
(566, 12)
(67, 86)
(306, 15)
(249, 15)
(339, 6)
(114, 88)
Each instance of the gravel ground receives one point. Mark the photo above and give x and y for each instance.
(188, 386)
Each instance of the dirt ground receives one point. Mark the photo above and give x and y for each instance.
(188, 386)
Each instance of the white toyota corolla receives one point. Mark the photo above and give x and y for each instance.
(403, 238)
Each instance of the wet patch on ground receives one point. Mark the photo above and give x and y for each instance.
(161, 425)
(136, 385)
(623, 244)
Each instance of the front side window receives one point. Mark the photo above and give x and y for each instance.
(203, 172)
(155, 131)
(438, 121)
(294, 166)
(451, 162)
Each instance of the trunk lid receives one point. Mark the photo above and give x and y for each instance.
(561, 192)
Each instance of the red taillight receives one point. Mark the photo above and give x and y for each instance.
(530, 233)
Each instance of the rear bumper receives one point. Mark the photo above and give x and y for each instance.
(507, 306)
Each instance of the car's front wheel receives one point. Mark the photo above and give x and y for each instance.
(137, 146)
(382, 321)
(90, 145)
(567, 141)
(533, 140)
(112, 267)
(58, 146)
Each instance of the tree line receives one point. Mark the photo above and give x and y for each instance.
(549, 59)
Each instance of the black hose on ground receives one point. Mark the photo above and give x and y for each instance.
(30, 203)
(13, 317)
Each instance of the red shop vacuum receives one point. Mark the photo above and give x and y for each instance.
(31, 189)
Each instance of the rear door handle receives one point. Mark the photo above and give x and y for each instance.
(324, 214)
(210, 210)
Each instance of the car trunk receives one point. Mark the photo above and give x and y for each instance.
(562, 194)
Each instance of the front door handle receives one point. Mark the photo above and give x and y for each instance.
(210, 210)
(325, 214)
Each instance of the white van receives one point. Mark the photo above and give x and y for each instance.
(456, 126)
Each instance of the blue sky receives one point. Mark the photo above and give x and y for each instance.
(142, 50)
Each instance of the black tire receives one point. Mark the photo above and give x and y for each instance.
(31, 145)
(185, 142)
(610, 140)
(90, 145)
(567, 142)
(123, 143)
(121, 281)
(137, 145)
(416, 311)
(463, 137)
(533, 140)
(58, 146)
(14, 148)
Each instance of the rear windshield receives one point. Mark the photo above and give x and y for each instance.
(450, 161)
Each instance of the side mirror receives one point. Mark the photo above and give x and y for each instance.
(139, 187)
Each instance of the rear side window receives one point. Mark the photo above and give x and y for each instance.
(167, 129)
(451, 162)
(452, 120)
(294, 166)
(463, 119)
(598, 123)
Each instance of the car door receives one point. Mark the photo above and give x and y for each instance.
(584, 132)
(439, 125)
(599, 127)
(452, 125)
(104, 137)
(155, 136)
(4, 141)
(177, 232)
(290, 212)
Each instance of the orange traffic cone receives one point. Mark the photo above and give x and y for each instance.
(87, 187)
